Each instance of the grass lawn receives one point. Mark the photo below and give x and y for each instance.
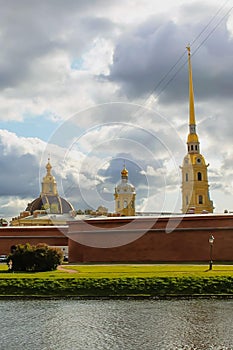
(116, 271)
(124, 271)
(119, 280)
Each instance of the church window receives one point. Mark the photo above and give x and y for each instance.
(199, 176)
(125, 203)
(196, 147)
(191, 147)
(200, 199)
(186, 177)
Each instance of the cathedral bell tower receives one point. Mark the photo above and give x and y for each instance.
(195, 188)
(125, 196)
(49, 184)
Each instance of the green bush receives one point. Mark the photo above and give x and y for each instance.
(26, 257)
(107, 287)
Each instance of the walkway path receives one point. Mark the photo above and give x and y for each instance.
(60, 268)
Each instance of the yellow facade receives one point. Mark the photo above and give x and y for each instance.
(195, 187)
(49, 184)
(125, 196)
(39, 218)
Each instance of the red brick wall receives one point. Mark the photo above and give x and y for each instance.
(139, 239)
(187, 242)
(53, 236)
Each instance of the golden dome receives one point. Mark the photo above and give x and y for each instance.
(124, 172)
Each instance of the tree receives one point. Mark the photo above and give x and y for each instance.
(41, 257)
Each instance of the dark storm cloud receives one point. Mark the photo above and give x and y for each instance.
(113, 172)
(73, 193)
(94, 25)
(112, 176)
(143, 57)
(18, 175)
(143, 182)
(30, 30)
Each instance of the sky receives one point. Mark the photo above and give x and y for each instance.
(96, 84)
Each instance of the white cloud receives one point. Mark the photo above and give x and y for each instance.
(99, 57)
(12, 144)
(11, 206)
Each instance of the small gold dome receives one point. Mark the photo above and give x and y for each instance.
(124, 172)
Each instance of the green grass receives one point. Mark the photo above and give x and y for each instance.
(116, 271)
(127, 270)
(120, 280)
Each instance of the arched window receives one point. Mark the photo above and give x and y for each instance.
(186, 177)
(125, 203)
(200, 199)
(199, 176)
(196, 147)
(191, 147)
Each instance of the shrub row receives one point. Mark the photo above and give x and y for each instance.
(117, 286)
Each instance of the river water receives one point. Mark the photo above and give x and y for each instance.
(61, 324)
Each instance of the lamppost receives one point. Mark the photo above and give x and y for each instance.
(211, 242)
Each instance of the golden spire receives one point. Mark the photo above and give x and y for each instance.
(191, 93)
(192, 137)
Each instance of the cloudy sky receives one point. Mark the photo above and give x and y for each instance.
(94, 84)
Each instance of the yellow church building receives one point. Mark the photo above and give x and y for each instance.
(195, 187)
(124, 196)
(49, 208)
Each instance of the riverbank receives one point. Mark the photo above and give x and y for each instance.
(116, 287)
(123, 281)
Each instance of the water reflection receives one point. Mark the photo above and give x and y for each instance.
(116, 325)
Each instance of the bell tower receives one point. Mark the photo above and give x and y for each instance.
(125, 196)
(49, 184)
(195, 187)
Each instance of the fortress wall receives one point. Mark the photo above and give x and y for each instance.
(54, 236)
(146, 239)
(135, 239)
